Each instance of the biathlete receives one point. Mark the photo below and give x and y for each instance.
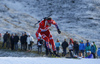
(46, 35)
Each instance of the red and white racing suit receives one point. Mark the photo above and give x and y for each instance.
(45, 33)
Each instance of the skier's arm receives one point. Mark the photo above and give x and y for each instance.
(37, 33)
(54, 23)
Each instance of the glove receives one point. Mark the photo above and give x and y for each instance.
(59, 31)
(38, 38)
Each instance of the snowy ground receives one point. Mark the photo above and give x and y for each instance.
(44, 60)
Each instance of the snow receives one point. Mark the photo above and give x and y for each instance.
(44, 60)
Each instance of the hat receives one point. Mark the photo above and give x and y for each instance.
(91, 43)
(81, 40)
(88, 51)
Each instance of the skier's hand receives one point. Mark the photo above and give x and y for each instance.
(38, 39)
(59, 31)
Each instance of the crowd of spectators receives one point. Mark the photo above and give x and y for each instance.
(78, 49)
(12, 40)
(73, 48)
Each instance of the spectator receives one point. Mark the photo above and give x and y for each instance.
(76, 47)
(89, 55)
(93, 49)
(12, 42)
(5, 39)
(30, 41)
(80, 55)
(87, 48)
(39, 43)
(87, 43)
(25, 36)
(98, 52)
(81, 47)
(57, 46)
(16, 39)
(71, 49)
(22, 40)
(95, 45)
(64, 46)
(71, 41)
(8, 41)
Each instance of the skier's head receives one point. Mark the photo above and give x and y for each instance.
(49, 21)
(49, 18)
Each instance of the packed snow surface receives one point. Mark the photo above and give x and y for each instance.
(44, 60)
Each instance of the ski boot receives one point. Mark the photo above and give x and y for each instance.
(55, 54)
(50, 53)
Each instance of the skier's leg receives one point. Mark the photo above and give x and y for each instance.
(45, 36)
(52, 43)
(46, 50)
(47, 40)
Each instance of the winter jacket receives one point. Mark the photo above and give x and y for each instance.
(12, 39)
(98, 52)
(76, 47)
(44, 27)
(87, 48)
(70, 46)
(16, 39)
(29, 39)
(8, 38)
(57, 44)
(90, 56)
(64, 45)
(93, 49)
(5, 37)
(87, 43)
(22, 39)
(25, 36)
(81, 46)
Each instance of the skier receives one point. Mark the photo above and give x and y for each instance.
(45, 33)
